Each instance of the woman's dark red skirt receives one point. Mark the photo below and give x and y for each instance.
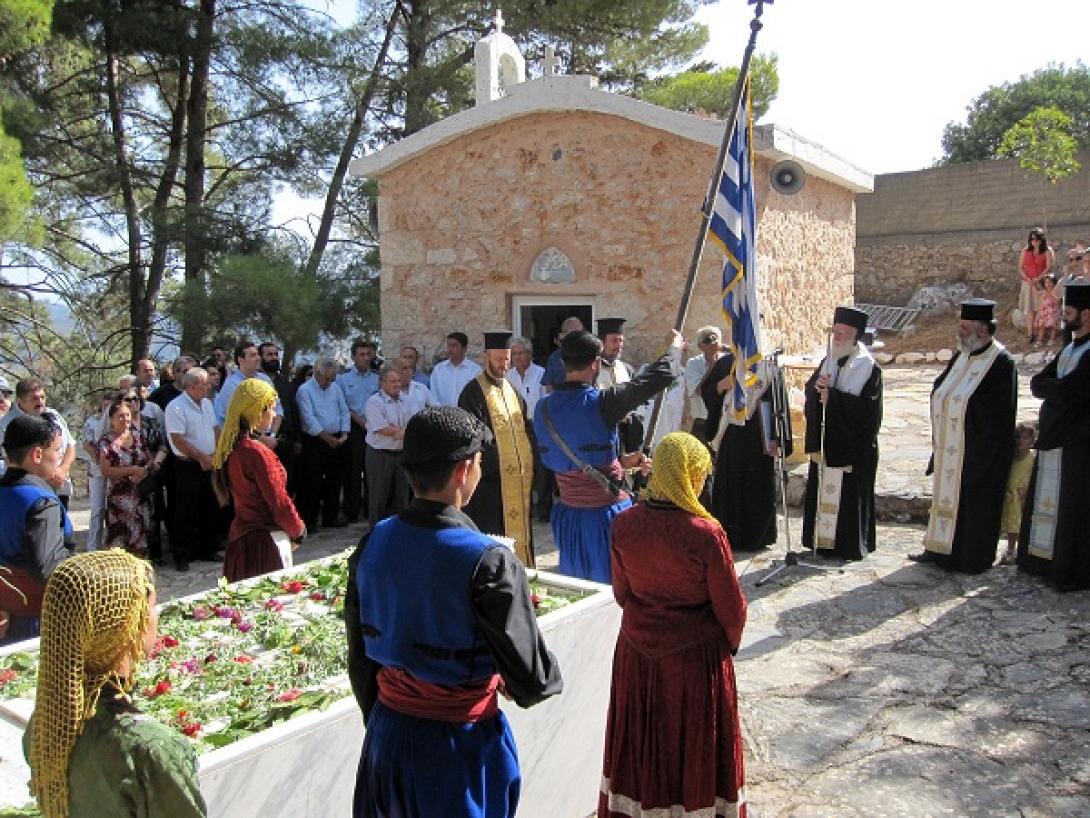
(250, 555)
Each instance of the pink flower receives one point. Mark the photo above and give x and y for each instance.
(243, 626)
(274, 605)
(191, 665)
(201, 612)
(535, 599)
(225, 612)
(289, 695)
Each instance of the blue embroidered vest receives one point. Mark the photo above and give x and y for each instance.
(414, 589)
(16, 502)
(578, 421)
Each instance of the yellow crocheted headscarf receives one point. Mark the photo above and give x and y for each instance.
(681, 464)
(94, 614)
(252, 397)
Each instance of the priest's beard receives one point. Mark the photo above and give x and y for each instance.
(271, 368)
(838, 351)
(973, 343)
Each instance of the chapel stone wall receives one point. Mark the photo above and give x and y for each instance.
(461, 225)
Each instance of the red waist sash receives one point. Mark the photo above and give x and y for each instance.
(579, 490)
(457, 704)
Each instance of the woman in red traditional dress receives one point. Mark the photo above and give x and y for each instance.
(673, 739)
(1035, 261)
(249, 473)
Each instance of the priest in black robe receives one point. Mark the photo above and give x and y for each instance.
(843, 415)
(973, 407)
(1054, 542)
(502, 504)
(743, 496)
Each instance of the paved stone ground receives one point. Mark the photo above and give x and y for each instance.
(889, 689)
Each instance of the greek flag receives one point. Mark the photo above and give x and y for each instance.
(733, 228)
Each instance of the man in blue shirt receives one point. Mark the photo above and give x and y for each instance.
(324, 416)
(555, 374)
(248, 360)
(358, 384)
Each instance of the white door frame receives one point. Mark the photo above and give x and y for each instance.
(576, 300)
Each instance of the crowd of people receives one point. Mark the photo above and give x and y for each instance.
(1042, 285)
(447, 468)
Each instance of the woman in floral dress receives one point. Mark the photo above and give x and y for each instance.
(124, 459)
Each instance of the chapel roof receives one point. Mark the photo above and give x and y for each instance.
(566, 93)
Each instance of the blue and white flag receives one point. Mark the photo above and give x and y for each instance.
(733, 227)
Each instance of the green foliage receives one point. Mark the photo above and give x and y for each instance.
(993, 113)
(16, 194)
(1042, 143)
(704, 90)
(23, 24)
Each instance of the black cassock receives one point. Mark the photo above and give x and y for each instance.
(743, 497)
(850, 439)
(986, 465)
(1064, 424)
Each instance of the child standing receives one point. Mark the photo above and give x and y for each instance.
(1048, 309)
(1024, 436)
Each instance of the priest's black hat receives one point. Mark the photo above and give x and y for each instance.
(580, 347)
(440, 435)
(977, 309)
(852, 317)
(498, 339)
(610, 326)
(1077, 295)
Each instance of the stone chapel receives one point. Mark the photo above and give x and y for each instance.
(552, 197)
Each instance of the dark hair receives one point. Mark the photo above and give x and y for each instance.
(431, 480)
(1039, 233)
(1026, 428)
(211, 364)
(460, 337)
(264, 345)
(360, 343)
(240, 350)
(23, 433)
(27, 386)
(116, 404)
(301, 374)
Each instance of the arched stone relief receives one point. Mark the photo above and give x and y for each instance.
(552, 266)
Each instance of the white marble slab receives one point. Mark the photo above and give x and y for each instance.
(306, 767)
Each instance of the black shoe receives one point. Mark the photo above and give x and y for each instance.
(923, 556)
(336, 524)
(181, 565)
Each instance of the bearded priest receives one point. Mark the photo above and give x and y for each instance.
(501, 504)
(1053, 543)
(843, 414)
(973, 406)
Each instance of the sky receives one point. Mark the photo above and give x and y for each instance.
(876, 81)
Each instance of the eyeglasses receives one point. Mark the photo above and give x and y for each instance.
(709, 339)
(130, 400)
(7, 393)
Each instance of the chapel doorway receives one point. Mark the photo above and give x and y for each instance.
(541, 322)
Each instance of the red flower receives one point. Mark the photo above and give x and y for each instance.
(534, 598)
(192, 728)
(161, 687)
(293, 586)
(169, 641)
(182, 714)
(290, 695)
(244, 659)
(210, 658)
(317, 596)
(7, 675)
(274, 605)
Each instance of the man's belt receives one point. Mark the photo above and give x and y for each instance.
(587, 469)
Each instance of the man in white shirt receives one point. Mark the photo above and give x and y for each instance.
(93, 430)
(30, 400)
(449, 377)
(387, 415)
(191, 431)
(524, 374)
(324, 416)
(707, 341)
(412, 390)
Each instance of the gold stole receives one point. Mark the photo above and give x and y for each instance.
(1046, 493)
(516, 462)
(949, 402)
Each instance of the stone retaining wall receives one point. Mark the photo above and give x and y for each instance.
(960, 223)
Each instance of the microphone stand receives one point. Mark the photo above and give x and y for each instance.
(791, 559)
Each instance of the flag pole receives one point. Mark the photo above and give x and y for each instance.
(755, 26)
